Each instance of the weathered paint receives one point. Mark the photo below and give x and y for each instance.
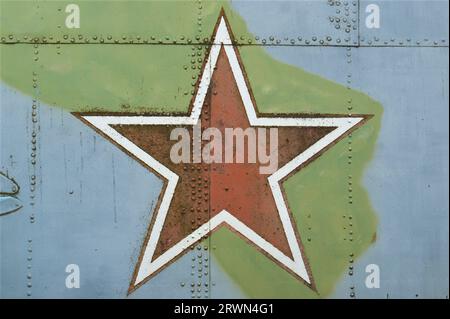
(84, 74)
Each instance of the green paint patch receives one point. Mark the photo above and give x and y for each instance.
(95, 77)
(156, 78)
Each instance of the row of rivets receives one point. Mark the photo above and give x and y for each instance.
(256, 41)
(33, 162)
(349, 222)
(200, 264)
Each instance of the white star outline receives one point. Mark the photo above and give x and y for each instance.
(147, 267)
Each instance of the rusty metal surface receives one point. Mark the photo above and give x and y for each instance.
(376, 196)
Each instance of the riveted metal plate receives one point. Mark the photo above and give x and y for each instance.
(92, 204)
(406, 23)
(335, 22)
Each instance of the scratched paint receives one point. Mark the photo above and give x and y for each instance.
(330, 63)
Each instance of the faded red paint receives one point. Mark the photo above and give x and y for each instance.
(204, 190)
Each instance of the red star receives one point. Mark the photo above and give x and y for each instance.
(200, 197)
